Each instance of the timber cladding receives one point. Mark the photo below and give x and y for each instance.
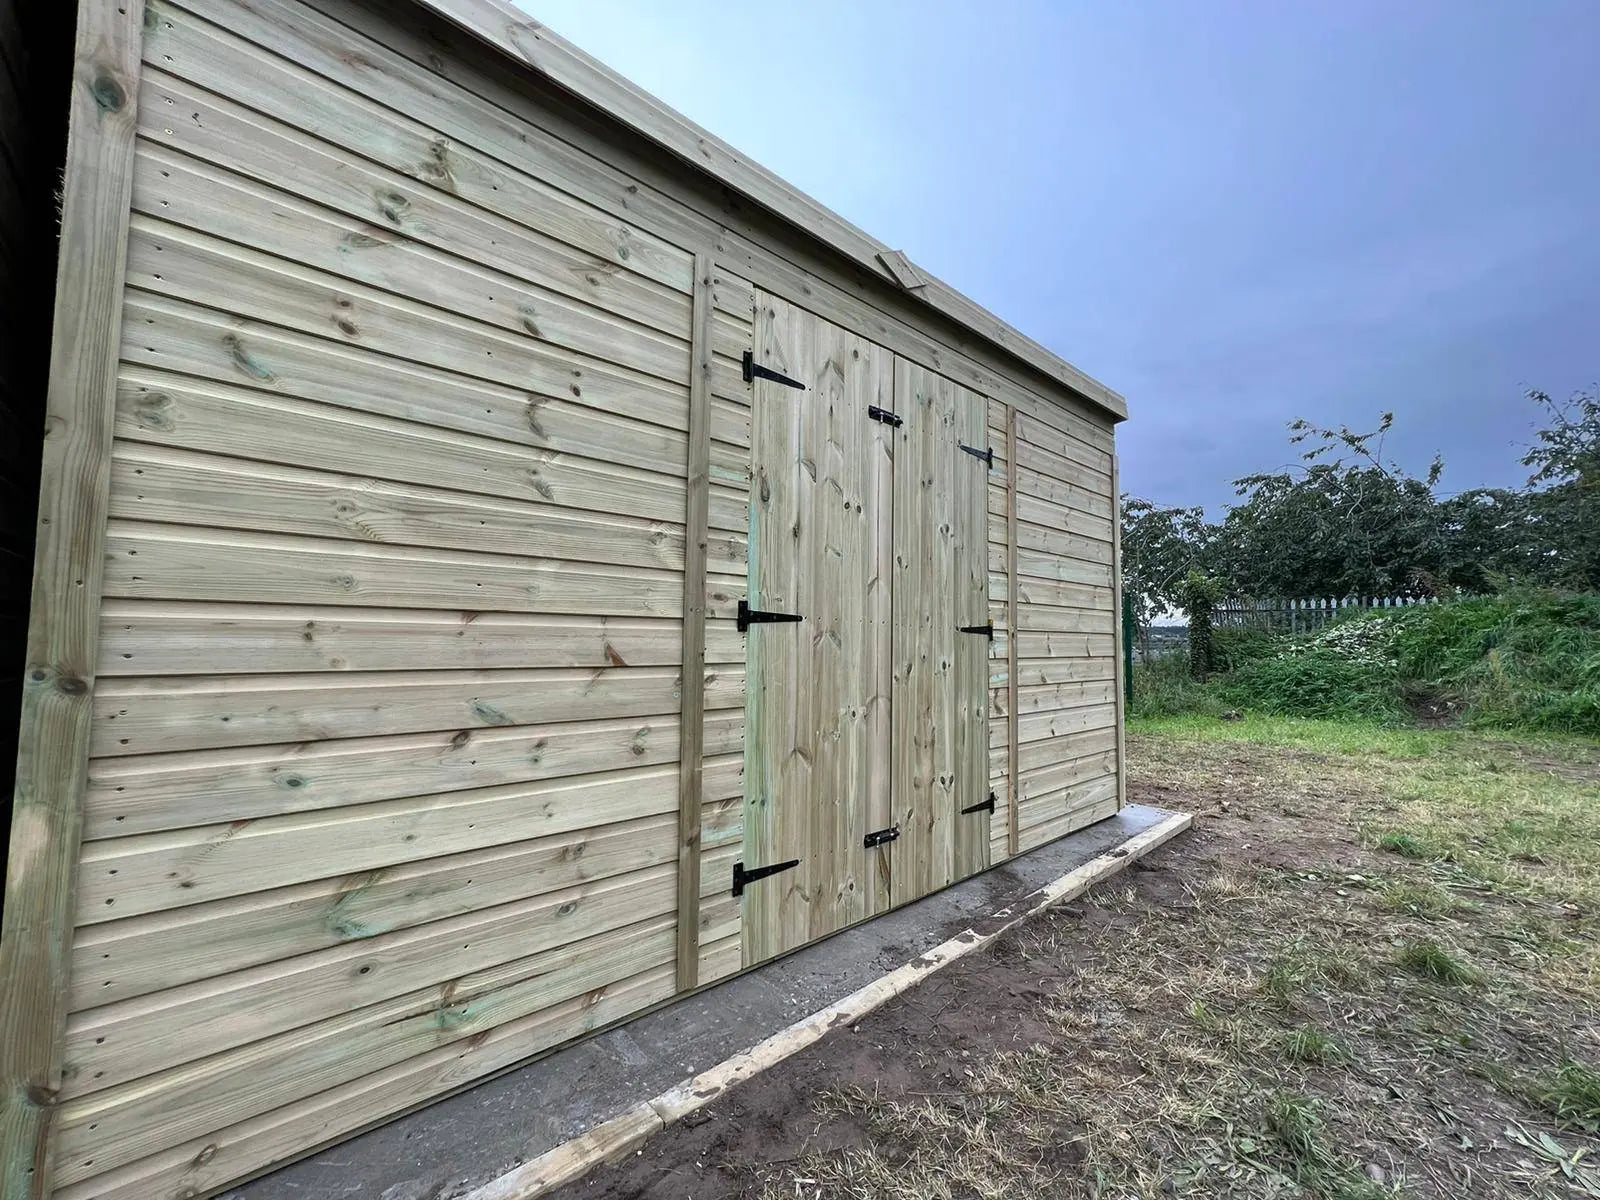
(495, 585)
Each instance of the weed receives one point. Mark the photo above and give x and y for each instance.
(1407, 845)
(1310, 1045)
(1293, 1121)
(1281, 980)
(1573, 1095)
(1433, 961)
(1419, 899)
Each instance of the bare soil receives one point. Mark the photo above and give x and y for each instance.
(1233, 1016)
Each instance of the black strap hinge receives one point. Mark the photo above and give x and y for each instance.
(742, 877)
(754, 370)
(982, 806)
(987, 629)
(884, 415)
(881, 837)
(754, 616)
(986, 455)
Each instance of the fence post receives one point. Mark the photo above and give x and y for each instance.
(1128, 630)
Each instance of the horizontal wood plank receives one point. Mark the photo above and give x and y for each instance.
(246, 1081)
(168, 713)
(169, 562)
(386, 206)
(156, 637)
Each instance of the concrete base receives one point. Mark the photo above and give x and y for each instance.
(465, 1140)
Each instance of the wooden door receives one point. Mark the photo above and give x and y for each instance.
(817, 731)
(940, 678)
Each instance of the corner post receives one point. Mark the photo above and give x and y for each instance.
(63, 628)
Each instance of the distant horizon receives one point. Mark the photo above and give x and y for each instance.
(1233, 214)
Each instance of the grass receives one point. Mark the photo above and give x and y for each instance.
(1433, 961)
(1408, 845)
(1310, 1045)
(1573, 1095)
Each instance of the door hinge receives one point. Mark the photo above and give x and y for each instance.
(754, 616)
(881, 837)
(986, 455)
(754, 370)
(742, 877)
(987, 629)
(982, 806)
(884, 415)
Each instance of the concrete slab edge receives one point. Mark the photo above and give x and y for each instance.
(631, 1128)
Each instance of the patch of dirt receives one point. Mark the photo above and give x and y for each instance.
(1231, 1016)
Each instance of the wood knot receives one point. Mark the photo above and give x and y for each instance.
(71, 685)
(153, 410)
(108, 92)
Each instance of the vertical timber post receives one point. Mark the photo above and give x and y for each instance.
(691, 722)
(1124, 639)
(63, 629)
(1013, 829)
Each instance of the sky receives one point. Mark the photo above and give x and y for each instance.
(1235, 214)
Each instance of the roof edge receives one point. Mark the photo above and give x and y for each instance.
(520, 37)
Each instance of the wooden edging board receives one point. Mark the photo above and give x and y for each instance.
(630, 1128)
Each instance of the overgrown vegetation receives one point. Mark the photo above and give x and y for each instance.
(1525, 660)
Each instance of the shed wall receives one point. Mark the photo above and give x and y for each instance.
(387, 756)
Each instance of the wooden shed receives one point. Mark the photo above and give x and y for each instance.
(502, 561)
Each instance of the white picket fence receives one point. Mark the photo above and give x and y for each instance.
(1283, 615)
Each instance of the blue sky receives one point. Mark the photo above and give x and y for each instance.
(1233, 213)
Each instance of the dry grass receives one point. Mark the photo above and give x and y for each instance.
(1372, 971)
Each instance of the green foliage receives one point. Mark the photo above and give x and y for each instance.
(1526, 660)
(1165, 688)
(1199, 596)
(1318, 682)
(1232, 648)
(1310, 1045)
(1159, 547)
(1407, 845)
(1523, 660)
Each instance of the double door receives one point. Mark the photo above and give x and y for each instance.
(866, 756)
